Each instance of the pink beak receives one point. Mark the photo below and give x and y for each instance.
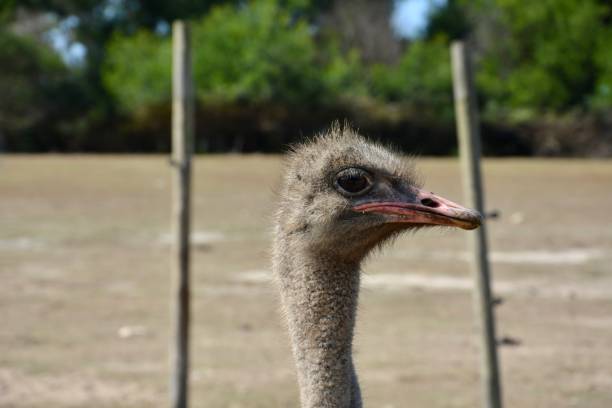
(425, 209)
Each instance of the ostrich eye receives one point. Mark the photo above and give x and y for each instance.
(353, 181)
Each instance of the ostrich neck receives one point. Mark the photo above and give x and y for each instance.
(319, 296)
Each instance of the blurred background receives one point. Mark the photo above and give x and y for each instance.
(84, 238)
(94, 75)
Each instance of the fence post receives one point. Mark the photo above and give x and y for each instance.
(182, 147)
(466, 113)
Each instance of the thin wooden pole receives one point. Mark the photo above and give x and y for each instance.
(182, 147)
(466, 113)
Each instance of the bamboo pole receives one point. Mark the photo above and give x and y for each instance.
(466, 113)
(182, 147)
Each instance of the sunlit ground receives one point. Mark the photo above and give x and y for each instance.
(84, 262)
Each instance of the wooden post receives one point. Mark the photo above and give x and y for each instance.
(182, 147)
(466, 113)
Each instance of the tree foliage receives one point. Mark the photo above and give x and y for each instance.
(255, 53)
(150, 84)
(422, 78)
(551, 57)
(548, 57)
(601, 98)
(32, 76)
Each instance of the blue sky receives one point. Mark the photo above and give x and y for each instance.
(410, 16)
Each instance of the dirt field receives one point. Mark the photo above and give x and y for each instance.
(84, 288)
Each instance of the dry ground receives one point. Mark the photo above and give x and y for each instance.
(84, 288)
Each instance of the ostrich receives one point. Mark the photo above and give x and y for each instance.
(342, 196)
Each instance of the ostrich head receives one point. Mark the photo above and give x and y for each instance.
(341, 197)
(346, 195)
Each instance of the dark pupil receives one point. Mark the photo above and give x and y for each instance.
(353, 183)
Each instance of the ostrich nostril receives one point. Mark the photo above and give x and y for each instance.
(428, 202)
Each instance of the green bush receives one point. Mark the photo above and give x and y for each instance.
(602, 96)
(30, 72)
(421, 79)
(253, 53)
(547, 59)
(137, 70)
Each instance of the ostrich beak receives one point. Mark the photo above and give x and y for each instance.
(424, 208)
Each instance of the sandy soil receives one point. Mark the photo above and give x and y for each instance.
(85, 285)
